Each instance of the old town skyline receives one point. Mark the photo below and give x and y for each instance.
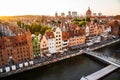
(26, 7)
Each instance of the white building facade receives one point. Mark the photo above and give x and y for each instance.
(51, 42)
(87, 31)
(58, 38)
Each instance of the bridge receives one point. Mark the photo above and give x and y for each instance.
(102, 57)
(97, 75)
(114, 64)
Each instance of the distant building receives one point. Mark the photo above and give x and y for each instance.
(94, 14)
(56, 14)
(88, 12)
(5, 30)
(69, 13)
(62, 14)
(99, 14)
(74, 14)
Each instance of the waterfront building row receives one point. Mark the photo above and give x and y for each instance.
(24, 46)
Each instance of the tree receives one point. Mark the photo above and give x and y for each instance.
(95, 20)
(36, 33)
(88, 19)
(35, 28)
(82, 23)
(43, 30)
(19, 24)
(59, 22)
(83, 20)
(48, 30)
(76, 20)
(26, 26)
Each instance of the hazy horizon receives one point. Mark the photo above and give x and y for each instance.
(40, 7)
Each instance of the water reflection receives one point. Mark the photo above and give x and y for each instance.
(112, 51)
(70, 69)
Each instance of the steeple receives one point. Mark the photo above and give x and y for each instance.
(88, 12)
(88, 7)
(56, 14)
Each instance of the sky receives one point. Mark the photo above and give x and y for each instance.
(49, 7)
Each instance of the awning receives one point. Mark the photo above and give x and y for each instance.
(52, 51)
(82, 45)
(74, 47)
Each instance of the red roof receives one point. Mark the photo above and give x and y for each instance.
(65, 36)
(50, 35)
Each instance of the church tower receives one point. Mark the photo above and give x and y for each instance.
(88, 12)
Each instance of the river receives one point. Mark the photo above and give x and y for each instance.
(72, 68)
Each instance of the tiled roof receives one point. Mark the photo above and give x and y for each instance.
(65, 36)
(117, 17)
(50, 35)
(71, 34)
(1, 43)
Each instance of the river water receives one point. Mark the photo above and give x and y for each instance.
(71, 69)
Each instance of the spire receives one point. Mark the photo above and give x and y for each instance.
(56, 14)
(88, 7)
(89, 12)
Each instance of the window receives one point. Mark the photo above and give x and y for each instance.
(1, 55)
(2, 59)
(2, 63)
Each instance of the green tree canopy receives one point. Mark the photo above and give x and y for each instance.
(82, 23)
(88, 19)
(19, 24)
(95, 20)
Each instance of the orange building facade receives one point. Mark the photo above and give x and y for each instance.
(18, 48)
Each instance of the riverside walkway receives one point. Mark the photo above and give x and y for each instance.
(99, 74)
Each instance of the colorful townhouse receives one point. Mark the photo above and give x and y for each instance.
(36, 46)
(44, 45)
(65, 40)
(58, 38)
(51, 42)
(76, 38)
(115, 25)
(16, 49)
